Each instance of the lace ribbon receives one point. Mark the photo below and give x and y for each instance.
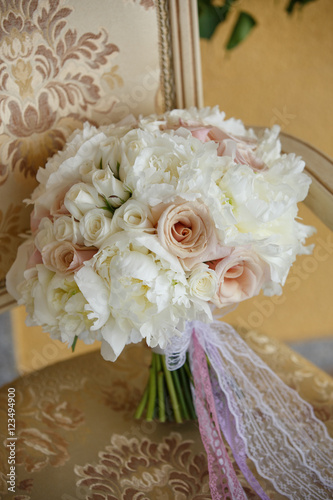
(223, 481)
(227, 423)
(260, 416)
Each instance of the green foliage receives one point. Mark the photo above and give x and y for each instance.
(212, 15)
(292, 4)
(242, 28)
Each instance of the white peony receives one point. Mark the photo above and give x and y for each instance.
(55, 303)
(163, 166)
(145, 294)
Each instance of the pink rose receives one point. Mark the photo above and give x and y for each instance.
(64, 257)
(240, 276)
(187, 231)
(35, 258)
(46, 207)
(240, 149)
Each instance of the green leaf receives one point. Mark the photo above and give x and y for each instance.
(108, 207)
(211, 16)
(292, 4)
(242, 29)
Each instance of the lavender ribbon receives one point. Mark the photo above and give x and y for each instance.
(223, 481)
(261, 418)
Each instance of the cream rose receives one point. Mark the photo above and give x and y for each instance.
(203, 282)
(81, 198)
(107, 185)
(65, 258)
(66, 228)
(133, 215)
(241, 275)
(95, 227)
(187, 231)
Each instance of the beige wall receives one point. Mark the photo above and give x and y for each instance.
(283, 72)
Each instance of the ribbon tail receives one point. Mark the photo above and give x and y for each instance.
(228, 427)
(223, 481)
(288, 445)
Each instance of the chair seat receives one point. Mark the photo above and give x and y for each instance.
(77, 438)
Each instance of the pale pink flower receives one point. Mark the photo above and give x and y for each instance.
(240, 149)
(240, 275)
(187, 231)
(64, 257)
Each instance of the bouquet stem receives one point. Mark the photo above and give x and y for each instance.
(167, 395)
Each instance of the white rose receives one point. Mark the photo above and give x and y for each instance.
(95, 227)
(130, 147)
(45, 234)
(109, 150)
(107, 185)
(81, 198)
(203, 282)
(133, 215)
(67, 229)
(87, 170)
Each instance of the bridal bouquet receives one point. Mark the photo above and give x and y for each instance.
(139, 230)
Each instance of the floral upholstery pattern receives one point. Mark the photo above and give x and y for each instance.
(59, 67)
(77, 438)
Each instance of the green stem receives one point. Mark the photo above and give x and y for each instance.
(74, 343)
(160, 389)
(180, 395)
(188, 370)
(168, 410)
(187, 392)
(152, 390)
(161, 403)
(158, 363)
(172, 392)
(142, 404)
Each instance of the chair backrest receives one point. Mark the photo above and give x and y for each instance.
(63, 62)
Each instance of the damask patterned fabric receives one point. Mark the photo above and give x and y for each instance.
(63, 62)
(77, 439)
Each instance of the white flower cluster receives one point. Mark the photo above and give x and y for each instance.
(142, 226)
